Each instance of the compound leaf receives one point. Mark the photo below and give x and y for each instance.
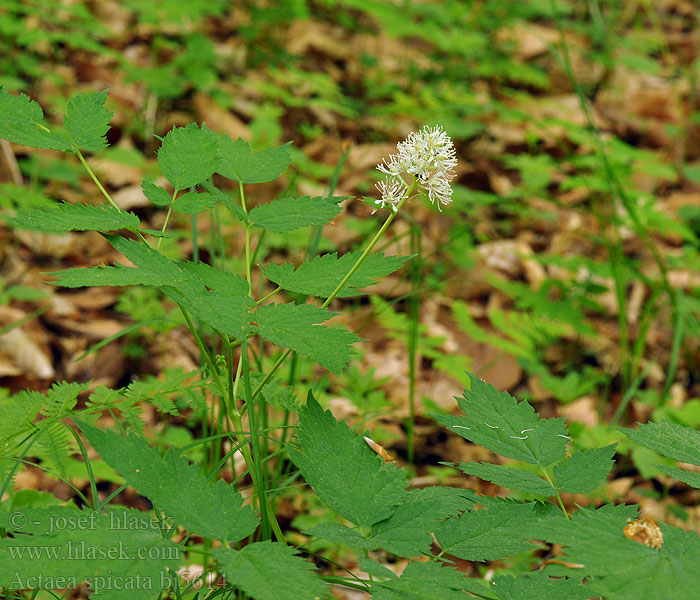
(288, 214)
(507, 427)
(675, 441)
(74, 217)
(585, 471)
(508, 477)
(237, 162)
(297, 327)
(22, 122)
(345, 473)
(175, 486)
(270, 571)
(188, 155)
(87, 121)
(321, 275)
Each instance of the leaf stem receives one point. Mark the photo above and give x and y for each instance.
(97, 181)
(167, 217)
(341, 285)
(561, 502)
(247, 238)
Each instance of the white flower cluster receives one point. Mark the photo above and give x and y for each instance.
(428, 156)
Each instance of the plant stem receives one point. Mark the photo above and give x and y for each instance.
(414, 314)
(341, 285)
(167, 217)
(97, 181)
(561, 502)
(247, 238)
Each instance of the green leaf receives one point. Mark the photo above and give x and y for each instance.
(340, 534)
(155, 194)
(188, 155)
(217, 298)
(87, 121)
(508, 477)
(237, 162)
(62, 546)
(345, 473)
(622, 568)
(675, 441)
(22, 122)
(586, 471)
(507, 427)
(297, 327)
(688, 477)
(320, 276)
(270, 571)
(175, 486)
(422, 581)
(74, 217)
(407, 531)
(537, 586)
(488, 533)
(193, 203)
(288, 214)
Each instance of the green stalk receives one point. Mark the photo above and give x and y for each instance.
(414, 313)
(559, 500)
(167, 217)
(341, 285)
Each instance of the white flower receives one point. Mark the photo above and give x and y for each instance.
(393, 191)
(428, 156)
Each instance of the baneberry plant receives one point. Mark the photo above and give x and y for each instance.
(608, 552)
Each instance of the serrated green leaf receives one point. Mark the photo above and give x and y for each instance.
(488, 533)
(320, 276)
(585, 471)
(22, 122)
(622, 568)
(345, 473)
(74, 217)
(508, 477)
(538, 586)
(217, 298)
(188, 155)
(675, 441)
(175, 486)
(288, 214)
(155, 194)
(193, 203)
(688, 477)
(87, 121)
(237, 162)
(507, 427)
(297, 327)
(270, 571)
(422, 581)
(97, 276)
(62, 546)
(340, 534)
(407, 531)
